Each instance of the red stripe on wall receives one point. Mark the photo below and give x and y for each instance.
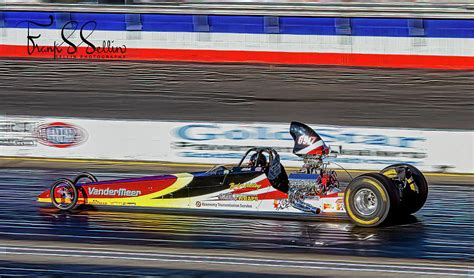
(231, 56)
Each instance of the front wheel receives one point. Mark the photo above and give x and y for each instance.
(371, 199)
(64, 194)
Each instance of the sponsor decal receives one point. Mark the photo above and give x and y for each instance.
(17, 142)
(226, 197)
(223, 205)
(73, 36)
(237, 197)
(60, 135)
(246, 198)
(280, 204)
(284, 150)
(98, 202)
(327, 206)
(121, 192)
(340, 204)
(244, 185)
(125, 204)
(206, 132)
(17, 133)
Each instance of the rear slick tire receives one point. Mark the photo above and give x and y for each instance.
(415, 193)
(371, 199)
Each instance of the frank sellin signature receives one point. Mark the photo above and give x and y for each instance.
(85, 32)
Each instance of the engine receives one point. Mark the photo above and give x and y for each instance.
(314, 179)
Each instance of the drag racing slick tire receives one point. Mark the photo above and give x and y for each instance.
(85, 175)
(371, 199)
(414, 187)
(64, 194)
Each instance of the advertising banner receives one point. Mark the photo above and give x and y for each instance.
(355, 148)
(225, 143)
(84, 138)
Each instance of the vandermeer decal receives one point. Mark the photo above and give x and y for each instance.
(121, 192)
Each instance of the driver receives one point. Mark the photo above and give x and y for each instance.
(258, 160)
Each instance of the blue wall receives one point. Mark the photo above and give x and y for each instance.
(390, 27)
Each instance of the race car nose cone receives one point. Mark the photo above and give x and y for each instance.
(44, 195)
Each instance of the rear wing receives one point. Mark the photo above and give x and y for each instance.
(307, 141)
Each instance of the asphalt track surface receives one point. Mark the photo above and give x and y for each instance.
(40, 241)
(252, 93)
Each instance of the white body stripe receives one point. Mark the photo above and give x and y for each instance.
(311, 147)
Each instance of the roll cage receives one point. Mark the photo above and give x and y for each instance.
(274, 170)
(271, 154)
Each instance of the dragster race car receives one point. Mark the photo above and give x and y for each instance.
(259, 183)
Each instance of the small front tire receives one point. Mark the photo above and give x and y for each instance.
(64, 194)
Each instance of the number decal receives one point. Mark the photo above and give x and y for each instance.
(306, 140)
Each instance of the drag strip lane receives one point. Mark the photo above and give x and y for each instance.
(243, 259)
(442, 230)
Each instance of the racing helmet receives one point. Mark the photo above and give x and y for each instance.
(258, 159)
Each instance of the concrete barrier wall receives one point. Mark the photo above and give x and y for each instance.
(222, 143)
(344, 41)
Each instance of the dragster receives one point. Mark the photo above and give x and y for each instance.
(259, 183)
